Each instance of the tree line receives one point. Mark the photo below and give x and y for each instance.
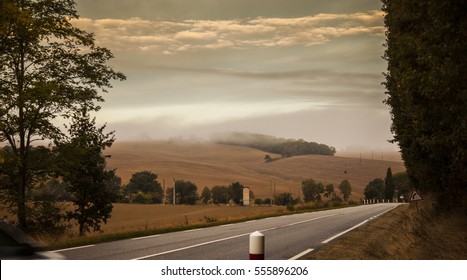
(393, 187)
(271, 144)
(144, 188)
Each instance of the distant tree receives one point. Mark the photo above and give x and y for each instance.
(81, 165)
(329, 191)
(142, 198)
(220, 194)
(427, 94)
(374, 189)
(284, 199)
(206, 195)
(389, 185)
(186, 192)
(270, 144)
(146, 183)
(236, 192)
(311, 190)
(169, 195)
(345, 189)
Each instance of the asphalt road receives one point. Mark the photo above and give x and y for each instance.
(286, 237)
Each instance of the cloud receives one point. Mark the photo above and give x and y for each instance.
(136, 34)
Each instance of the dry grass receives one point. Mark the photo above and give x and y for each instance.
(404, 233)
(208, 164)
(142, 219)
(137, 217)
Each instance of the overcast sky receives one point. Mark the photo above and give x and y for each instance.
(307, 69)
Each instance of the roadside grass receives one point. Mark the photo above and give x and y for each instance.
(404, 233)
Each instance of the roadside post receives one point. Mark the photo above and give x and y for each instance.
(256, 246)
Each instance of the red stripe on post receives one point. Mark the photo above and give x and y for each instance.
(256, 256)
(256, 246)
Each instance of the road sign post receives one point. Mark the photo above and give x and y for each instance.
(415, 196)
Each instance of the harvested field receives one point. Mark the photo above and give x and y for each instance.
(137, 217)
(209, 164)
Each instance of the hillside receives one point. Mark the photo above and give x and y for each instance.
(209, 164)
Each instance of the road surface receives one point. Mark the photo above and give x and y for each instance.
(287, 237)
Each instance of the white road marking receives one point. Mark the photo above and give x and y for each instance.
(296, 257)
(224, 239)
(192, 246)
(360, 224)
(345, 231)
(74, 248)
(309, 220)
(192, 230)
(145, 237)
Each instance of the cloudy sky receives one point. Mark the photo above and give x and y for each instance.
(307, 69)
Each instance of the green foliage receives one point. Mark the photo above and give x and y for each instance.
(46, 217)
(236, 192)
(329, 192)
(144, 198)
(144, 182)
(284, 199)
(389, 187)
(206, 195)
(346, 189)
(270, 144)
(187, 192)
(16, 199)
(266, 201)
(258, 201)
(220, 195)
(374, 189)
(311, 190)
(427, 93)
(82, 166)
(402, 184)
(48, 69)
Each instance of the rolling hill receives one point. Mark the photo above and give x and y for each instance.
(209, 164)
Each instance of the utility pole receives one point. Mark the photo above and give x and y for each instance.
(165, 195)
(174, 193)
(270, 192)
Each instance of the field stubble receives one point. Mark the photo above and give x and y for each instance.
(209, 164)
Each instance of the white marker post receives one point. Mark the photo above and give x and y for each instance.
(256, 246)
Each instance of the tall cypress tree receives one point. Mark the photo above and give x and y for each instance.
(427, 93)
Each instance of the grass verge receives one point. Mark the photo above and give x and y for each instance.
(405, 233)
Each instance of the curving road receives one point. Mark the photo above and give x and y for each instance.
(287, 237)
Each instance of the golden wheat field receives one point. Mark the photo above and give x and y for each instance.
(209, 164)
